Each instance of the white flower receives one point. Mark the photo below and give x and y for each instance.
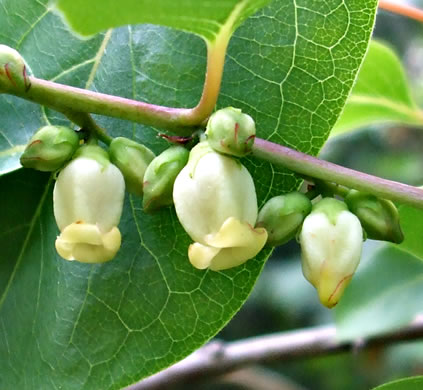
(331, 240)
(215, 200)
(88, 200)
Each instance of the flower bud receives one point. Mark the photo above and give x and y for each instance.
(282, 216)
(229, 131)
(331, 240)
(379, 217)
(215, 200)
(160, 176)
(88, 200)
(13, 70)
(49, 148)
(132, 159)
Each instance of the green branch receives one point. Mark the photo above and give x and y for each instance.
(181, 121)
(313, 167)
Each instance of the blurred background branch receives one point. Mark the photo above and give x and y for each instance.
(218, 358)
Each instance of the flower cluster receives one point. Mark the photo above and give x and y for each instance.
(214, 198)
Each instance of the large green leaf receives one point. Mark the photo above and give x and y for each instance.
(205, 18)
(412, 226)
(79, 326)
(413, 383)
(381, 94)
(385, 294)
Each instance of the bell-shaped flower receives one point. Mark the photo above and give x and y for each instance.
(216, 203)
(88, 200)
(331, 240)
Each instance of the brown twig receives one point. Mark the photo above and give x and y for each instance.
(217, 358)
(402, 9)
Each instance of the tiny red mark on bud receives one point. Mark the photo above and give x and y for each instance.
(9, 75)
(176, 139)
(236, 132)
(37, 141)
(27, 83)
(251, 137)
(338, 286)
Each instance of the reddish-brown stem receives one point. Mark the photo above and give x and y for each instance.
(315, 168)
(402, 9)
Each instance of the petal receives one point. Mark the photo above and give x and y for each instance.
(233, 233)
(234, 256)
(201, 255)
(82, 233)
(331, 288)
(220, 258)
(64, 248)
(85, 243)
(112, 240)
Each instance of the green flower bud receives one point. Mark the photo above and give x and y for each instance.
(13, 70)
(379, 217)
(331, 240)
(160, 176)
(132, 159)
(282, 216)
(229, 131)
(49, 148)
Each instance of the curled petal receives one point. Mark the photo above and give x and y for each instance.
(232, 245)
(86, 243)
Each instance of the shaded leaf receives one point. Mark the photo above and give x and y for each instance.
(385, 294)
(412, 226)
(80, 326)
(206, 18)
(413, 383)
(381, 94)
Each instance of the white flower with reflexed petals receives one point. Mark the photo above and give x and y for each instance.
(88, 200)
(215, 200)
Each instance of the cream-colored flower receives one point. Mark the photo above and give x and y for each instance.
(88, 200)
(215, 200)
(331, 240)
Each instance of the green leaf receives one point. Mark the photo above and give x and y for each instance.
(79, 326)
(412, 225)
(385, 294)
(381, 94)
(205, 18)
(413, 383)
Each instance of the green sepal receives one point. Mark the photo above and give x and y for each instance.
(331, 207)
(282, 217)
(50, 148)
(232, 132)
(132, 159)
(160, 177)
(379, 217)
(94, 152)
